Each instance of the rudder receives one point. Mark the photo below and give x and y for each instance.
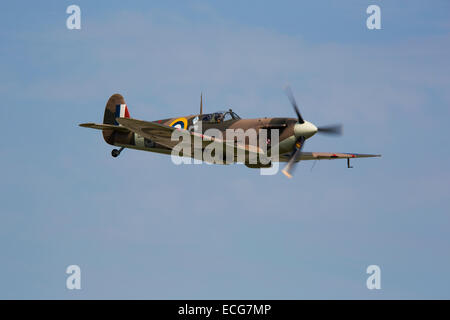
(115, 108)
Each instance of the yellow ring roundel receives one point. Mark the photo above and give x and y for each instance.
(180, 123)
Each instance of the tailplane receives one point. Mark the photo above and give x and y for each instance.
(113, 132)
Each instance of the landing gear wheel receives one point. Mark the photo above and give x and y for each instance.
(115, 153)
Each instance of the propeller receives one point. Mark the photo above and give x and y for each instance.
(298, 146)
(303, 130)
(294, 104)
(335, 129)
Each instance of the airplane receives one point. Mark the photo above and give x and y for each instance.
(122, 131)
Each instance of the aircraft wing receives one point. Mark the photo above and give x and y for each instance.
(326, 156)
(161, 134)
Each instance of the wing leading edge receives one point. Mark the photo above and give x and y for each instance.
(327, 156)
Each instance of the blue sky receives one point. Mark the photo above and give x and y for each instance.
(141, 227)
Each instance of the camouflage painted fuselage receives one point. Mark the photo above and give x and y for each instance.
(135, 141)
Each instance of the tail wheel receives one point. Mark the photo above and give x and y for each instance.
(115, 153)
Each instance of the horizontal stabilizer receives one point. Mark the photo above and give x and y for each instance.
(104, 127)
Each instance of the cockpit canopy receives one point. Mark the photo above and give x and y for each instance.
(219, 116)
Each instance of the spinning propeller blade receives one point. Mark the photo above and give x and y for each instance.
(335, 129)
(294, 104)
(294, 155)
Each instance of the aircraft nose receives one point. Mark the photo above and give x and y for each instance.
(306, 129)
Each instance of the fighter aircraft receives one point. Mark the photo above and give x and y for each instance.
(122, 131)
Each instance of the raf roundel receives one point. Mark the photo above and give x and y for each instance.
(180, 123)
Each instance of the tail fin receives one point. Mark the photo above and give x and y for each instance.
(115, 108)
